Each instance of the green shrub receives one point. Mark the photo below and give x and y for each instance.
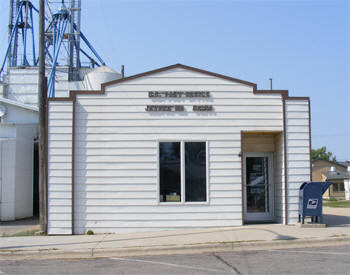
(89, 232)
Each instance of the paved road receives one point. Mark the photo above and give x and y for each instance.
(326, 260)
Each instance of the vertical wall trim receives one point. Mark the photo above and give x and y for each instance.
(285, 162)
(182, 172)
(242, 178)
(207, 166)
(73, 160)
(308, 102)
(158, 173)
(46, 160)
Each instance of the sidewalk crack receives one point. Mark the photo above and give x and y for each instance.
(227, 264)
(98, 243)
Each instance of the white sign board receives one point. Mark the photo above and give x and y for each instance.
(312, 204)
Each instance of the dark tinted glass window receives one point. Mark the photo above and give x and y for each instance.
(335, 187)
(195, 171)
(170, 171)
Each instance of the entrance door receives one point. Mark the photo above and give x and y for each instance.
(258, 187)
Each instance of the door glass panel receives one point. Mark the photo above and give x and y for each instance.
(257, 187)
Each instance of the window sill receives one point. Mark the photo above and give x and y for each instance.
(184, 203)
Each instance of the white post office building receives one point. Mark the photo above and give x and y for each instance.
(173, 148)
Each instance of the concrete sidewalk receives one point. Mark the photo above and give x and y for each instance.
(248, 237)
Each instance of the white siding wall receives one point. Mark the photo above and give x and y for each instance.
(23, 84)
(19, 115)
(16, 171)
(116, 145)
(25, 135)
(8, 172)
(298, 152)
(60, 167)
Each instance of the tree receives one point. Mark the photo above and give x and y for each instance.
(321, 153)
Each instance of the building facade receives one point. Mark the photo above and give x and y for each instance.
(18, 130)
(177, 147)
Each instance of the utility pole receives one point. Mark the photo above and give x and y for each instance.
(42, 100)
(9, 32)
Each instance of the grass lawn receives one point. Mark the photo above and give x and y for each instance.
(21, 234)
(334, 203)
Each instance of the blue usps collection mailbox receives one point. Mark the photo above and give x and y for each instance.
(310, 200)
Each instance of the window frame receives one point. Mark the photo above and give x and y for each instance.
(183, 175)
(340, 187)
(336, 190)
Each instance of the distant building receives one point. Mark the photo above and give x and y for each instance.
(344, 163)
(336, 172)
(19, 133)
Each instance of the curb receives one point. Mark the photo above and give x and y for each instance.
(171, 249)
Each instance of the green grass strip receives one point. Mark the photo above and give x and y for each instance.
(21, 234)
(337, 204)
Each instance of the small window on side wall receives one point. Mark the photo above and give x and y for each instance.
(182, 170)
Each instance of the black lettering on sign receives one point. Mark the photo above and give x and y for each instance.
(202, 108)
(165, 108)
(179, 108)
(171, 94)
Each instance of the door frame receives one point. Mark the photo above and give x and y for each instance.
(259, 217)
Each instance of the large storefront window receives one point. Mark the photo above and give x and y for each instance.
(182, 170)
(195, 172)
(170, 171)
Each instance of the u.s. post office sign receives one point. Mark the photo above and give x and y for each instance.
(178, 108)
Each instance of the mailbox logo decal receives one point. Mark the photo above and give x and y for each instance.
(312, 204)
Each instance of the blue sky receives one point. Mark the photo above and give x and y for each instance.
(303, 45)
